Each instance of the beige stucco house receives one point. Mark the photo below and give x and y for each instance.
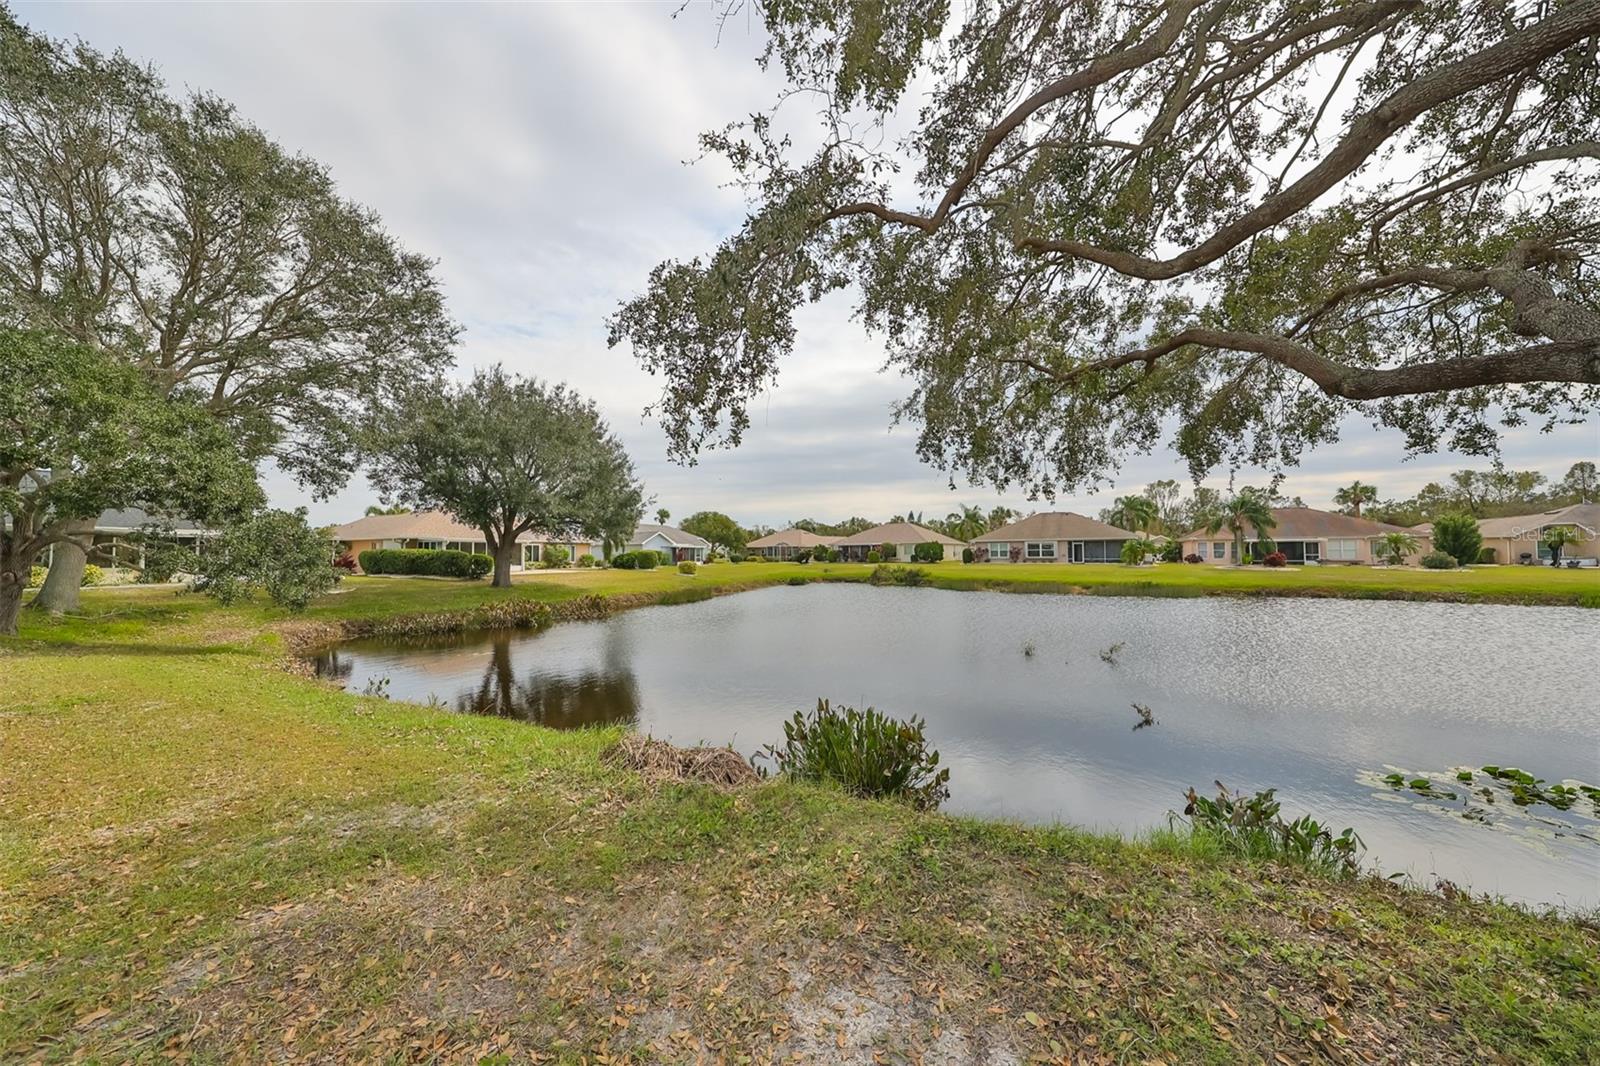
(1307, 535)
(784, 544)
(903, 536)
(1517, 539)
(1052, 537)
(437, 529)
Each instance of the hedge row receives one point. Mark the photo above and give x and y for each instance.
(434, 562)
(641, 560)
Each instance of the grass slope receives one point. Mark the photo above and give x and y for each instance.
(204, 855)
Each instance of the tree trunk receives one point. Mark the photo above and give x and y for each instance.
(11, 586)
(60, 591)
(504, 556)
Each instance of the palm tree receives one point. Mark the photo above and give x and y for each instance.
(966, 523)
(1394, 547)
(1354, 495)
(1246, 507)
(1134, 512)
(999, 516)
(662, 514)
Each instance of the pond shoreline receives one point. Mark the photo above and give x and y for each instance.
(309, 638)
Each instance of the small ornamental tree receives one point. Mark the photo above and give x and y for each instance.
(85, 432)
(1394, 547)
(1557, 538)
(509, 456)
(275, 552)
(1247, 509)
(1457, 535)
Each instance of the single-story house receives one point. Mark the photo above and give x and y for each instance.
(114, 532)
(1306, 535)
(784, 544)
(1518, 538)
(437, 529)
(1052, 537)
(903, 536)
(674, 542)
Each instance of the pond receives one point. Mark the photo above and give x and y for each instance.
(1322, 699)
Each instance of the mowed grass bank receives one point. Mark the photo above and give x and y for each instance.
(203, 854)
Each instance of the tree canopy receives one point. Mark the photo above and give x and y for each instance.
(82, 432)
(180, 237)
(508, 456)
(718, 529)
(1245, 220)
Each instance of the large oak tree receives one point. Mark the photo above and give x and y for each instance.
(82, 431)
(508, 456)
(1242, 218)
(172, 233)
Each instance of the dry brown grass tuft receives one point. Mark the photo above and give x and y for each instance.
(722, 767)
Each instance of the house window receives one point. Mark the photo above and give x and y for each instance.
(1041, 549)
(1342, 548)
(530, 554)
(1219, 549)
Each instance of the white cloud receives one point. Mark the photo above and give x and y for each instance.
(536, 151)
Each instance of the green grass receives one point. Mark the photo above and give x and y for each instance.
(202, 853)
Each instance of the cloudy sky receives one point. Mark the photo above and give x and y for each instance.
(537, 152)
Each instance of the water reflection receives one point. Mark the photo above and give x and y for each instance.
(570, 698)
(1309, 697)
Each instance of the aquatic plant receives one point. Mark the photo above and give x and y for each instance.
(909, 576)
(866, 752)
(1147, 717)
(1251, 827)
(1110, 654)
(1028, 649)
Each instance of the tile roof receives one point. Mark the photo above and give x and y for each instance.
(794, 538)
(678, 537)
(416, 525)
(1057, 525)
(895, 533)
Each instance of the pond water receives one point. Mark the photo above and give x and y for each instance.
(1319, 698)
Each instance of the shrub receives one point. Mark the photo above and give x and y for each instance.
(346, 562)
(92, 575)
(1171, 551)
(910, 576)
(803, 556)
(647, 560)
(553, 557)
(1134, 552)
(1437, 560)
(929, 551)
(874, 556)
(868, 753)
(586, 560)
(737, 557)
(1486, 556)
(36, 576)
(1457, 536)
(687, 567)
(888, 551)
(1251, 828)
(664, 558)
(624, 561)
(966, 555)
(428, 562)
(276, 552)
(1275, 559)
(1193, 558)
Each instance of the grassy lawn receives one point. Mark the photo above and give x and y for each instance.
(207, 856)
